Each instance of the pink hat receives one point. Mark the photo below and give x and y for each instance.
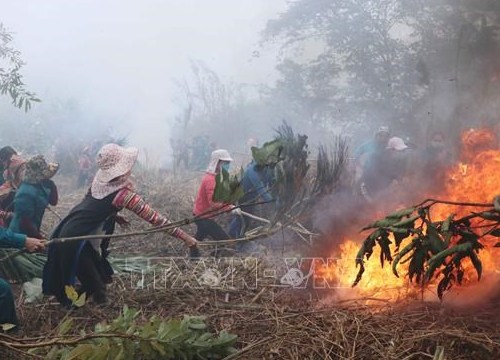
(396, 143)
(114, 161)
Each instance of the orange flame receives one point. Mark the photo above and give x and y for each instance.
(475, 179)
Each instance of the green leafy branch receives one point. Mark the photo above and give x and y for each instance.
(294, 187)
(11, 80)
(436, 248)
(228, 187)
(125, 338)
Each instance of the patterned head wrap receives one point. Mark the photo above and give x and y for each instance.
(37, 170)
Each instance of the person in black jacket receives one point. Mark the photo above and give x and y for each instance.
(85, 260)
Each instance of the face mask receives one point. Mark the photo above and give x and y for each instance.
(226, 166)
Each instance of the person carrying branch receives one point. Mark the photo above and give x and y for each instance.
(256, 183)
(9, 239)
(204, 206)
(110, 192)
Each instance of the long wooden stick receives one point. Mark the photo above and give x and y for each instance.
(255, 217)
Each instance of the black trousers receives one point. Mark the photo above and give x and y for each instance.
(91, 273)
(7, 307)
(209, 228)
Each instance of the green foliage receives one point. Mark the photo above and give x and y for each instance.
(293, 188)
(290, 185)
(227, 187)
(269, 153)
(11, 80)
(434, 246)
(330, 165)
(125, 338)
(21, 267)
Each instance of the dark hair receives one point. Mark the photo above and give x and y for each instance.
(6, 153)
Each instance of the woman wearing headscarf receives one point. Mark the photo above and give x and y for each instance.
(13, 167)
(110, 192)
(35, 193)
(204, 206)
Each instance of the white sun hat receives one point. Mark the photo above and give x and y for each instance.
(396, 143)
(218, 155)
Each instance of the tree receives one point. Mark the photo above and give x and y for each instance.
(388, 60)
(11, 80)
(362, 57)
(216, 108)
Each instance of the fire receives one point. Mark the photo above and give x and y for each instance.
(474, 179)
(377, 282)
(479, 182)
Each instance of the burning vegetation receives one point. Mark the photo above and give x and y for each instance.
(408, 259)
(437, 243)
(386, 250)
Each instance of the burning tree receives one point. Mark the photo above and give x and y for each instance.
(449, 247)
(434, 245)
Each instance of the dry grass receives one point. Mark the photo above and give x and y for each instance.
(272, 322)
(275, 323)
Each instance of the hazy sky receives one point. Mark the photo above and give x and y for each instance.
(117, 57)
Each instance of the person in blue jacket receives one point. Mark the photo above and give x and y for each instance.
(33, 196)
(367, 155)
(256, 183)
(9, 239)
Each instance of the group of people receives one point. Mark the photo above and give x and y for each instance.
(386, 159)
(28, 185)
(256, 184)
(83, 264)
(192, 156)
(26, 189)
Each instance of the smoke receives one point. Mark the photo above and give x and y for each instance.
(115, 61)
(476, 294)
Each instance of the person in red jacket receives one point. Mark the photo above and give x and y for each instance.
(204, 206)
